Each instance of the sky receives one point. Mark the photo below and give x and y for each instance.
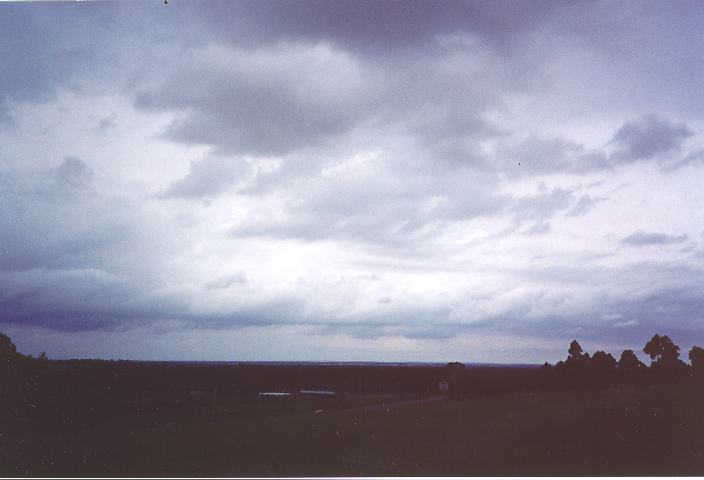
(351, 180)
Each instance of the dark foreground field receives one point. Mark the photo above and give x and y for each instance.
(625, 430)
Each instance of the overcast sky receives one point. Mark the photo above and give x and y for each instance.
(363, 180)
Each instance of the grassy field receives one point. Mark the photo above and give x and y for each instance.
(619, 431)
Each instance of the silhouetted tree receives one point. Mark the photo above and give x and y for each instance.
(8, 350)
(662, 351)
(574, 368)
(575, 350)
(696, 358)
(654, 347)
(576, 359)
(15, 381)
(603, 362)
(665, 357)
(629, 361)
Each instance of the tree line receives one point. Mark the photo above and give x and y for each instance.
(663, 353)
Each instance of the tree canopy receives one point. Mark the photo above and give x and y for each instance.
(603, 361)
(629, 361)
(575, 350)
(696, 358)
(662, 351)
(8, 350)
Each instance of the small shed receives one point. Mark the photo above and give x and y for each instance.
(443, 386)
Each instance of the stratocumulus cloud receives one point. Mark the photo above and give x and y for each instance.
(366, 180)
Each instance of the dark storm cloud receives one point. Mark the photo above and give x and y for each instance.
(66, 299)
(70, 255)
(45, 50)
(299, 96)
(278, 77)
(91, 300)
(368, 25)
(46, 47)
(649, 136)
(640, 239)
(262, 107)
(280, 311)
